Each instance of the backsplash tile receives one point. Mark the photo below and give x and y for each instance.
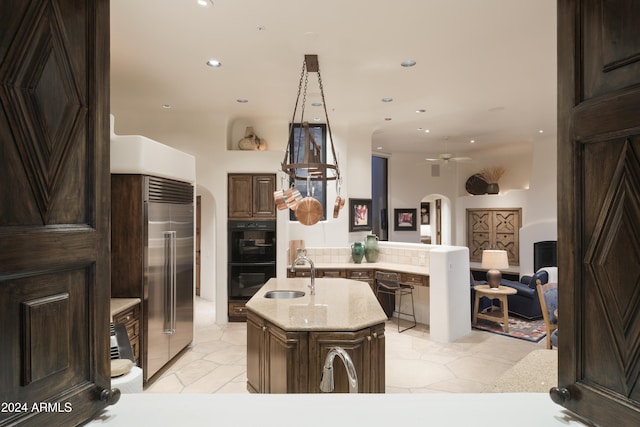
(390, 254)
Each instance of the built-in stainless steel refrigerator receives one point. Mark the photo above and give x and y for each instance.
(169, 269)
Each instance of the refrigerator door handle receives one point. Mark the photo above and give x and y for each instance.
(170, 282)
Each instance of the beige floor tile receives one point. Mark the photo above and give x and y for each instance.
(214, 380)
(168, 383)
(216, 362)
(415, 373)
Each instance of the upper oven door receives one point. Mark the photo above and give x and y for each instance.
(252, 242)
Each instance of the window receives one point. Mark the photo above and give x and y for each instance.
(315, 189)
(379, 195)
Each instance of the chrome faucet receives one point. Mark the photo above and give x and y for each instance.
(326, 380)
(312, 286)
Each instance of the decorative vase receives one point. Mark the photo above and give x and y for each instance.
(357, 252)
(492, 188)
(371, 249)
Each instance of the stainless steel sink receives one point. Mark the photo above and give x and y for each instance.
(284, 294)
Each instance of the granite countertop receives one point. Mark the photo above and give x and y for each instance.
(120, 304)
(338, 305)
(404, 268)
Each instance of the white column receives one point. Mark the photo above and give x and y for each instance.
(450, 293)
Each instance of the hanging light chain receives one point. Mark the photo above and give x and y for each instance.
(324, 105)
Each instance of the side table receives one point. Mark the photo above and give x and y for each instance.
(499, 293)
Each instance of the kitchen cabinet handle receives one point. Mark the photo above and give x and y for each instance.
(170, 281)
(375, 335)
(264, 328)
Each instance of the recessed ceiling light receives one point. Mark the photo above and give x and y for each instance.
(214, 63)
(242, 100)
(541, 131)
(427, 131)
(166, 106)
(205, 3)
(408, 63)
(421, 110)
(473, 141)
(316, 119)
(387, 99)
(379, 148)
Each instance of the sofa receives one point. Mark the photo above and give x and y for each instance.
(525, 302)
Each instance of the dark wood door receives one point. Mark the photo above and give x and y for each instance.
(599, 210)
(54, 210)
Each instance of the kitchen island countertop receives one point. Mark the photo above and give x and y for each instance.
(338, 305)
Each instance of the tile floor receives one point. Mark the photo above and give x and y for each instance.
(216, 362)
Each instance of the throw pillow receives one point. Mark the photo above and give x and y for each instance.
(551, 299)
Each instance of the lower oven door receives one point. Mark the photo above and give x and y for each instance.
(246, 279)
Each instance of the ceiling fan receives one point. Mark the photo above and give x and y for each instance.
(446, 157)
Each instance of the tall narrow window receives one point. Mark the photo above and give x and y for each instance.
(315, 189)
(379, 197)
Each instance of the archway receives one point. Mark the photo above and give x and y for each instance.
(436, 222)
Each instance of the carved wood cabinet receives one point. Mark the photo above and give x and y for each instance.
(130, 317)
(280, 361)
(490, 228)
(250, 196)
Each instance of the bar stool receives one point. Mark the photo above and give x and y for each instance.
(388, 284)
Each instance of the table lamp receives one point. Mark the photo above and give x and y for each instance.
(494, 261)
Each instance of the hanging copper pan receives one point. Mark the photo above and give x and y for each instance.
(279, 198)
(309, 211)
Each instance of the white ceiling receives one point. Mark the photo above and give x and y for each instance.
(486, 69)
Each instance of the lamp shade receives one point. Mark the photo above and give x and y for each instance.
(495, 259)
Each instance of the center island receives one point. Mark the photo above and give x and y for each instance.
(288, 339)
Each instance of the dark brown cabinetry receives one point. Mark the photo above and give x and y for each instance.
(280, 361)
(250, 196)
(494, 229)
(362, 275)
(277, 360)
(130, 317)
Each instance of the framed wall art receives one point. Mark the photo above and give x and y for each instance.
(359, 214)
(404, 219)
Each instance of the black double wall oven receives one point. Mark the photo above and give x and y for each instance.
(252, 257)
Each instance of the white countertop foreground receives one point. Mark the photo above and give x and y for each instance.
(338, 305)
(446, 409)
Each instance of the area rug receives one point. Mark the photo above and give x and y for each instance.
(528, 330)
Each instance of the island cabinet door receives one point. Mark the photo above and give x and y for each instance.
(358, 346)
(256, 345)
(378, 359)
(287, 363)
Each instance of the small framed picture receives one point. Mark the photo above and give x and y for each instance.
(359, 214)
(404, 219)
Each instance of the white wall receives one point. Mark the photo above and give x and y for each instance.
(409, 182)
(207, 138)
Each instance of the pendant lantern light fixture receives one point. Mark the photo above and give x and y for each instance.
(305, 162)
(303, 158)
